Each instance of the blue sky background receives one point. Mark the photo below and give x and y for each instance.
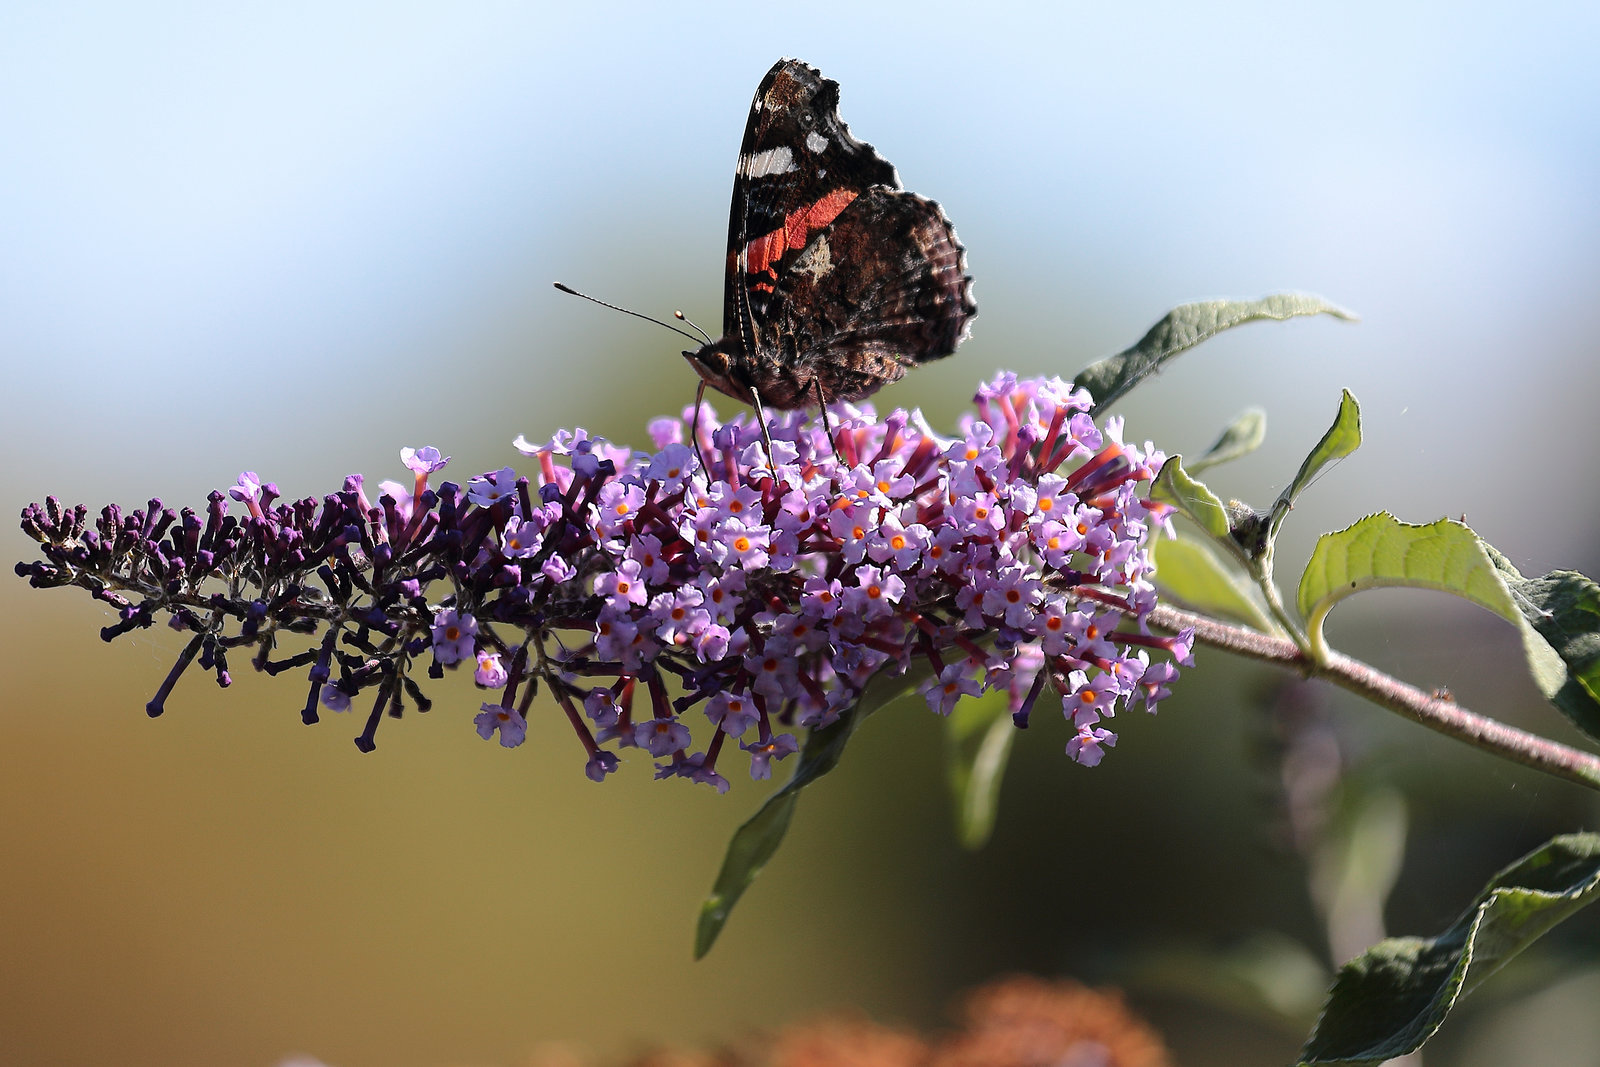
(294, 237)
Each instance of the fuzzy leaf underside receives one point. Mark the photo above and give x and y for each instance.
(1182, 329)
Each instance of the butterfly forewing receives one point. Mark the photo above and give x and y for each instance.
(798, 166)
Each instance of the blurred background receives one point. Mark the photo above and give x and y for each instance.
(292, 238)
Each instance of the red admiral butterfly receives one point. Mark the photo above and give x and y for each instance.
(837, 280)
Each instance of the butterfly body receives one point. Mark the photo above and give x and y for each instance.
(837, 281)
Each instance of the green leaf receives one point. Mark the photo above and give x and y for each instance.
(757, 840)
(979, 734)
(1198, 503)
(1342, 438)
(1241, 437)
(1181, 330)
(1380, 550)
(1188, 571)
(1559, 616)
(1392, 998)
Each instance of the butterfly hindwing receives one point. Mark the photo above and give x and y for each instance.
(879, 291)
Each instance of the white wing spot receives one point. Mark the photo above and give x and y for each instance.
(816, 142)
(816, 260)
(778, 160)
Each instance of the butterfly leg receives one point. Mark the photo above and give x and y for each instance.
(694, 431)
(827, 420)
(761, 419)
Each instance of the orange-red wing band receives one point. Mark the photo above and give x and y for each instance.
(762, 253)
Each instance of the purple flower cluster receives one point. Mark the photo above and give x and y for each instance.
(766, 591)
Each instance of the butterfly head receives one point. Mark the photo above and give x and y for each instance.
(718, 368)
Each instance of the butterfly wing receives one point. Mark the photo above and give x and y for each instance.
(880, 290)
(799, 168)
(835, 277)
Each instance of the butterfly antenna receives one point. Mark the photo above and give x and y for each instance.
(680, 315)
(635, 314)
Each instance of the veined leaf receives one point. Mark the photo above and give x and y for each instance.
(1342, 438)
(1239, 438)
(1559, 615)
(1198, 503)
(1392, 998)
(1182, 329)
(1380, 550)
